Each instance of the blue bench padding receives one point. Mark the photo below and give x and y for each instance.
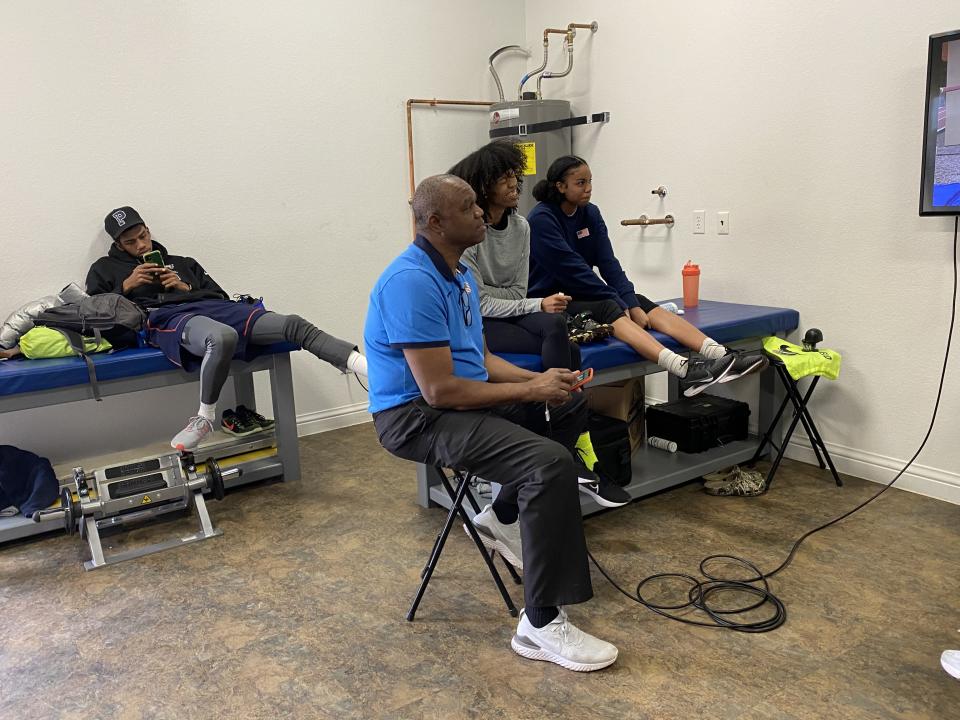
(724, 322)
(21, 375)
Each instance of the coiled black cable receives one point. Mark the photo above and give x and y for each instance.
(700, 591)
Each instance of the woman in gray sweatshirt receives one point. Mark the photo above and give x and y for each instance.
(513, 323)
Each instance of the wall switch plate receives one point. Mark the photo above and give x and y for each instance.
(699, 222)
(723, 222)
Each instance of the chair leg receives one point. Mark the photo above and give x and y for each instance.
(468, 523)
(456, 508)
(517, 580)
(815, 438)
(768, 433)
(783, 446)
(816, 441)
(506, 563)
(806, 425)
(427, 573)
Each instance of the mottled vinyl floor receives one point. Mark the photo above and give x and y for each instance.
(297, 611)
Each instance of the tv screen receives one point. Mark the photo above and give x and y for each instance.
(940, 175)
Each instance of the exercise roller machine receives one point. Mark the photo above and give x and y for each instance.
(123, 495)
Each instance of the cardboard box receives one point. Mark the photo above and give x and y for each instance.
(622, 400)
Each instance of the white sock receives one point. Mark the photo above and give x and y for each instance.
(672, 363)
(208, 411)
(357, 363)
(712, 350)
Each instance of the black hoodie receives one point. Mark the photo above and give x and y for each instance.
(108, 273)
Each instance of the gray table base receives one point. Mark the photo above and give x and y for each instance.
(656, 470)
(285, 463)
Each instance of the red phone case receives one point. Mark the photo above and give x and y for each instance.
(588, 376)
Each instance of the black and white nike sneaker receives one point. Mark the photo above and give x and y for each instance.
(702, 373)
(745, 363)
(604, 492)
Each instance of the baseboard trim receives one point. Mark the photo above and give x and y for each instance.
(922, 479)
(332, 419)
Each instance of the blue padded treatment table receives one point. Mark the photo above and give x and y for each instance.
(21, 375)
(28, 384)
(732, 324)
(724, 322)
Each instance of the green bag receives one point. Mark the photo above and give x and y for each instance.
(44, 342)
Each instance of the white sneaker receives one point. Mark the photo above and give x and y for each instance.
(561, 642)
(196, 431)
(504, 539)
(951, 662)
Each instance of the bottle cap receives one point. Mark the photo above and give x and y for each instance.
(691, 268)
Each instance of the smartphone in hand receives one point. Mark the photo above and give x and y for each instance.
(583, 377)
(154, 256)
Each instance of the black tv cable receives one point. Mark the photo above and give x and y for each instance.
(701, 592)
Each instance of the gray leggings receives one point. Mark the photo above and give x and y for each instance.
(216, 343)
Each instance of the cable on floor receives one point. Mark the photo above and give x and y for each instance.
(703, 593)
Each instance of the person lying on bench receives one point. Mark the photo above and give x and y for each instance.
(568, 238)
(438, 396)
(192, 320)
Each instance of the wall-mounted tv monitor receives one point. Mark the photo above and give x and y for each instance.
(940, 175)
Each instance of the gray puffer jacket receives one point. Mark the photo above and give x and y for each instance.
(21, 320)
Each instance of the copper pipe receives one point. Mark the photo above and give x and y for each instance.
(434, 102)
(543, 66)
(592, 27)
(554, 31)
(569, 43)
(644, 220)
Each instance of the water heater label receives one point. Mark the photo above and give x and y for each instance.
(529, 151)
(499, 116)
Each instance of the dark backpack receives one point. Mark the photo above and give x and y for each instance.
(611, 443)
(110, 316)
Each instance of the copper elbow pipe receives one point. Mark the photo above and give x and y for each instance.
(433, 102)
(553, 31)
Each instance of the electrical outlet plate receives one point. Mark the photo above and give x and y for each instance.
(723, 222)
(699, 222)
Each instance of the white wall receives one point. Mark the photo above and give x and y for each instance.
(266, 139)
(804, 120)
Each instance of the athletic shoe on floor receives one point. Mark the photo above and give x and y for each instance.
(604, 492)
(742, 483)
(236, 424)
(744, 363)
(702, 373)
(252, 416)
(561, 642)
(196, 431)
(720, 477)
(951, 662)
(504, 539)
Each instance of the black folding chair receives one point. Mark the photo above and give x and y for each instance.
(800, 415)
(456, 508)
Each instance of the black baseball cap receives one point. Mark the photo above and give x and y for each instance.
(120, 220)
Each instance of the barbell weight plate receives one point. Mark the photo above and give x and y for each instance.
(71, 510)
(214, 479)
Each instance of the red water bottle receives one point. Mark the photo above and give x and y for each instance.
(691, 284)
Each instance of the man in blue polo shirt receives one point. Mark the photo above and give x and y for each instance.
(438, 396)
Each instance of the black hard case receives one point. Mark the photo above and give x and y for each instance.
(699, 423)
